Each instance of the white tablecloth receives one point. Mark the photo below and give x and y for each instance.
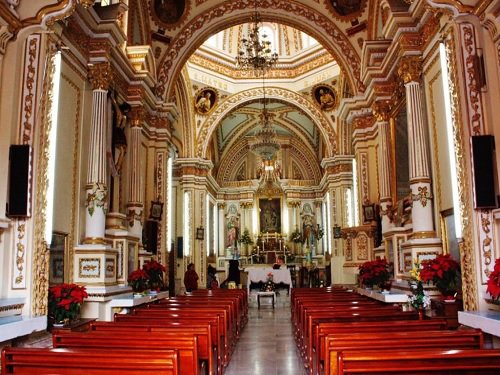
(256, 275)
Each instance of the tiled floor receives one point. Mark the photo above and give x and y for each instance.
(266, 346)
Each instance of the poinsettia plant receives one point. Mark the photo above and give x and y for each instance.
(138, 280)
(65, 301)
(494, 281)
(155, 271)
(375, 272)
(444, 272)
(296, 236)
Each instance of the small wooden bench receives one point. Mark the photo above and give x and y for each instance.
(418, 362)
(45, 361)
(271, 295)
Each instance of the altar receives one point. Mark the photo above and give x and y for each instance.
(260, 274)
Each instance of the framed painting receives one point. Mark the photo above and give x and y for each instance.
(200, 233)
(369, 212)
(270, 215)
(156, 210)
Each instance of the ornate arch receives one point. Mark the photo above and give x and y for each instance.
(232, 13)
(298, 100)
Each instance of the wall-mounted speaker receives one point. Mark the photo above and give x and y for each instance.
(19, 201)
(483, 154)
(180, 244)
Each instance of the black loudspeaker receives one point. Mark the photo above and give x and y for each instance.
(180, 242)
(152, 236)
(19, 202)
(483, 147)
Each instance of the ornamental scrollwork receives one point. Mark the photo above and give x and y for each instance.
(97, 198)
(422, 196)
(410, 69)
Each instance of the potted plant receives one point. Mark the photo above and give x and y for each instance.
(246, 239)
(419, 299)
(138, 280)
(494, 282)
(155, 271)
(296, 236)
(375, 272)
(65, 302)
(444, 272)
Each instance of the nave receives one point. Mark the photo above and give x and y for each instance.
(266, 346)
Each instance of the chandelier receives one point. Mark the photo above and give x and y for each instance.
(266, 145)
(255, 50)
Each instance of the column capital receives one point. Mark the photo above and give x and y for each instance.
(410, 69)
(221, 206)
(293, 204)
(86, 3)
(136, 116)
(381, 110)
(363, 122)
(100, 75)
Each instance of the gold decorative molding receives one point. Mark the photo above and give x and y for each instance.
(40, 261)
(410, 69)
(328, 34)
(467, 257)
(246, 205)
(95, 241)
(381, 109)
(486, 241)
(136, 116)
(423, 235)
(100, 76)
(363, 122)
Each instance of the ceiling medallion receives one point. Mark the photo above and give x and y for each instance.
(255, 49)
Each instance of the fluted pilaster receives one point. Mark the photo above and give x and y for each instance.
(135, 204)
(381, 111)
(97, 191)
(420, 181)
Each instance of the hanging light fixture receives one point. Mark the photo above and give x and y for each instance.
(266, 145)
(255, 49)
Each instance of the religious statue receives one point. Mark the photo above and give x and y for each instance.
(232, 231)
(325, 97)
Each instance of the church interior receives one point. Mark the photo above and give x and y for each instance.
(277, 148)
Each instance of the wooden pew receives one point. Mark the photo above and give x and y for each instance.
(186, 345)
(377, 314)
(322, 330)
(175, 312)
(206, 350)
(45, 361)
(344, 342)
(179, 320)
(419, 362)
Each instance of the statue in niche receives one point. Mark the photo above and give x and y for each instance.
(346, 7)
(169, 11)
(233, 226)
(117, 148)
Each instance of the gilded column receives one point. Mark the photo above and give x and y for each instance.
(135, 204)
(420, 182)
(97, 192)
(381, 110)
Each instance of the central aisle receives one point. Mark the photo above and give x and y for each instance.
(266, 346)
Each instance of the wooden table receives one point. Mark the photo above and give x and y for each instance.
(271, 295)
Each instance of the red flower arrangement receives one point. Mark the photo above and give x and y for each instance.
(65, 301)
(375, 272)
(138, 280)
(444, 272)
(155, 271)
(494, 281)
